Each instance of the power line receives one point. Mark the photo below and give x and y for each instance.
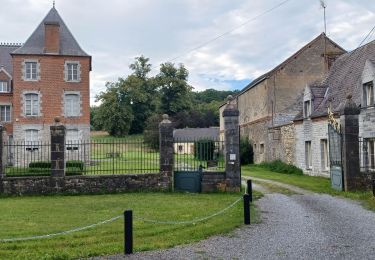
(230, 31)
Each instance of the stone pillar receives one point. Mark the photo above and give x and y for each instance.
(166, 149)
(232, 146)
(2, 153)
(350, 145)
(57, 151)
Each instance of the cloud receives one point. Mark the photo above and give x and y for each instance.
(116, 31)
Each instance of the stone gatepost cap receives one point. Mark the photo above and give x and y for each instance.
(165, 119)
(350, 107)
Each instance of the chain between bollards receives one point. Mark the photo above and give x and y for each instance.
(128, 232)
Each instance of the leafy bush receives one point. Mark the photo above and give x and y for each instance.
(246, 151)
(151, 132)
(281, 167)
(45, 166)
(204, 150)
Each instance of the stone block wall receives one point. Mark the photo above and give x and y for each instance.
(314, 131)
(213, 181)
(84, 184)
(282, 143)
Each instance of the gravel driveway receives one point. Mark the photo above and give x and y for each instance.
(307, 226)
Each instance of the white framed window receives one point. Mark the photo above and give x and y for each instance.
(4, 87)
(31, 70)
(371, 154)
(72, 139)
(308, 155)
(368, 90)
(5, 113)
(31, 140)
(307, 109)
(72, 71)
(31, 104)
(324, 154)
(72, 105)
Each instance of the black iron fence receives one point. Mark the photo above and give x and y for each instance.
(107, 156)
(192, 154)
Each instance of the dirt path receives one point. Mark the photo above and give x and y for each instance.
(304, 226)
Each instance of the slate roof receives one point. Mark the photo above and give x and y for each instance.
(194, 134)
(35, 43)
(5, 58)
(344, 78)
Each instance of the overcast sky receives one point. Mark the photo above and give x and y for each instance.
(116, 31)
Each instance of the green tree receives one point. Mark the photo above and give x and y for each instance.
(115, 113)
(174, 90)
(143, 93)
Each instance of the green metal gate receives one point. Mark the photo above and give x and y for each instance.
(189, 181)
(335, 158)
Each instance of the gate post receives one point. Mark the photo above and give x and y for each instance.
(350, 145)
(232, 146)
(57, 151)
(2, 153)
(166, 149)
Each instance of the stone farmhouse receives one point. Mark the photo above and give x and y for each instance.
(44, 78)
(268, 105)
(352, 74)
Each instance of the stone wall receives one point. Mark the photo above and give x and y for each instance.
(315, 131)
(84, 184)
(282, 143)
(213, 181)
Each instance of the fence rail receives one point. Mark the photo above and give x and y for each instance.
(82, 157)
(190, 155)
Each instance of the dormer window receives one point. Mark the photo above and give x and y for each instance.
(307, 108)
(368, 91)
(4, 87)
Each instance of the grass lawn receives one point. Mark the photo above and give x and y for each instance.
(315, 184)
(28, 216)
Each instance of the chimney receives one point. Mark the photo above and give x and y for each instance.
(51, 37)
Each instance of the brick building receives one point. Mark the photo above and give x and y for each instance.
(352, 74)
(269, 103)
(46, 77)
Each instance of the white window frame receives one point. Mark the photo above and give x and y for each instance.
(371, 154)
(6, 84)
(72, 71)
(307, 108)
(30, 72)
(368, 89)
(7, 113)
(308, 155)
(72, 108)
(33, 103)
(72, 140)
(31, 140)
(324, 154)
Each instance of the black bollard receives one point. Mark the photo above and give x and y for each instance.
(250, 189)
(128, 232)
(246, 209)
(373, 187)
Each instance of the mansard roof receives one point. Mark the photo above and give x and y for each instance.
(5, 58)
(35, 43)
(345, 78)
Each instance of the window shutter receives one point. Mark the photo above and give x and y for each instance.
(66, 71)
(23, 70)
(323, 154)
(38, 72)
(306, 156)
(79, 72)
